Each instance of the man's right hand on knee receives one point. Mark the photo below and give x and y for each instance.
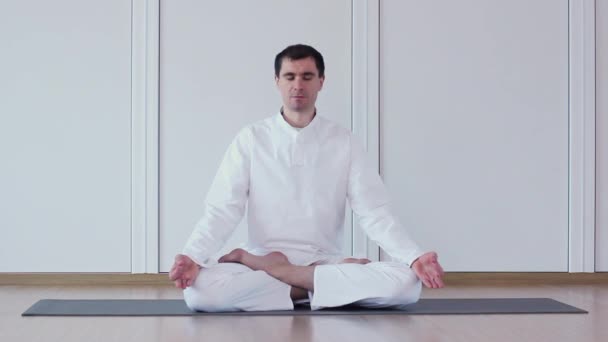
(184, 271)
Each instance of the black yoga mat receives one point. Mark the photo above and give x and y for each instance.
(176, 307)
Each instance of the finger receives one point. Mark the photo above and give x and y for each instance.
(439, 281)
(426, 281)
(435, 278)
(422, 276)
(182, 284)
(434, 270)
(176, 272)
(439, 276)
(437, 268)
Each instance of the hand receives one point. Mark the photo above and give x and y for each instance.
(184, 271)
(428, 270)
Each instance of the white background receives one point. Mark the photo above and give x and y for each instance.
(473, 122)
(65, 111)
(474, 129)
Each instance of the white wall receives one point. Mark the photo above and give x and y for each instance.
(474, 129)
(601, 247)
(65, 136)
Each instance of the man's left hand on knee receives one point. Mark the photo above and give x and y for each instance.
(428, 270)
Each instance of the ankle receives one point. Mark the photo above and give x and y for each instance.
(277, 270)
(239, 255)
(298, 293)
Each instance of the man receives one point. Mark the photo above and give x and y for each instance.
(295, 172)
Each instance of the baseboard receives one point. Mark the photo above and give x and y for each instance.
(451, 279)
(523, 278)
(84, 279)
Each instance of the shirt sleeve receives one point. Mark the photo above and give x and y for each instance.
(225, 202)
(370, 202)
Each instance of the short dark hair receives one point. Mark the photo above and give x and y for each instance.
(299, 51)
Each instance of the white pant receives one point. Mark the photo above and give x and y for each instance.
(236, 287)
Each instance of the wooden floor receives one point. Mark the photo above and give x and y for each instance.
(549, 327)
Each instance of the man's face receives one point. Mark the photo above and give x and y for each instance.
(299, 83)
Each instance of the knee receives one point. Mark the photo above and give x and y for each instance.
(406, 292)
(405, 287)
(195, 300)
(208, 299)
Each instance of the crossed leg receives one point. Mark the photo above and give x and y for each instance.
(379, 284)
(278, 266)
(275, 283)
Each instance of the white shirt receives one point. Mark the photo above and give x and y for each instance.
(295, 184)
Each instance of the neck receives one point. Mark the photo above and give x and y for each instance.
(298, 119)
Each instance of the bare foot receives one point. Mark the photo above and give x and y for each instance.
(255, 262)
(235, 256)
(267, 261)
(355, 261)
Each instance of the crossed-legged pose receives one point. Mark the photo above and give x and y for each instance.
(295, 172)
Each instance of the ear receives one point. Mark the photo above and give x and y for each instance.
(321, 80)
(276, 80)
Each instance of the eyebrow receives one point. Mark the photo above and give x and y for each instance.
(307, 73)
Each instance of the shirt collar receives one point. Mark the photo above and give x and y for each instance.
(305, 133)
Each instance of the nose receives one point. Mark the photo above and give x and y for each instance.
(297, 83)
